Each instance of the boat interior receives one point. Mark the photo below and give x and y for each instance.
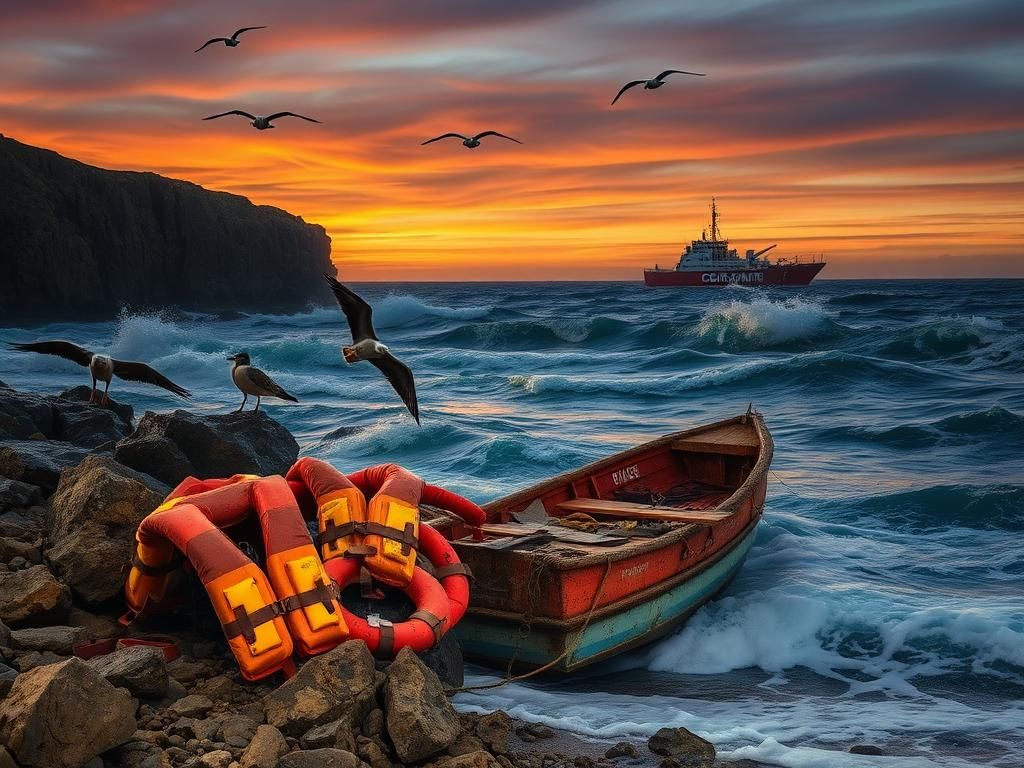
(676, 481)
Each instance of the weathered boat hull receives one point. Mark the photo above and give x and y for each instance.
(496, 639)
(776, 274)
(562, 603)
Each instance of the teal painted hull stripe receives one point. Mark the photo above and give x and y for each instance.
(496, 639)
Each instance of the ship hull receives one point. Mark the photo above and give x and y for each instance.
(777, 274)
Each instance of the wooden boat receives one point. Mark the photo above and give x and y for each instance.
(609, 557)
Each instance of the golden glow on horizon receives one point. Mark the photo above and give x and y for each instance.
(836, 166)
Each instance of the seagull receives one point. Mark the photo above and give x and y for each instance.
(253, 381)
(259, 122)
(657, 82)
(230, 42)
(366, 346)
(103, 367)
(470, 142)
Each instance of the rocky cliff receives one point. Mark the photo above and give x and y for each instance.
(81, 242)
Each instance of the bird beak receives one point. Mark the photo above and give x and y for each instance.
(232, 358)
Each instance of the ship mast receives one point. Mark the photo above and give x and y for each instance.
(714, 220)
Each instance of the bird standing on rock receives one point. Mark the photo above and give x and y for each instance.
(253, 381)
(230, 42)
(654, 82)
(103, 367)
(259, 122)
(366, 346)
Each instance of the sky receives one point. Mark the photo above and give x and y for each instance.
(887, 135)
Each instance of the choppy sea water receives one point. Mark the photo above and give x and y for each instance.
(883, 602)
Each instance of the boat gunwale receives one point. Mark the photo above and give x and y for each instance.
(731, 505)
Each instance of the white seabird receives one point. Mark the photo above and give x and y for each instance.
(230, 42)
(366, 346)
(259, 122)
(654, 82)
(470, 142)
(103, 367)
(253, 381)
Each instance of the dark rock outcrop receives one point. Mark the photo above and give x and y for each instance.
(69, 418)
(686, 748)
(172, 446)
(81, 241)
(94, 514)
(32, 594)
(38, 462)
(63, 715)
(140, 669)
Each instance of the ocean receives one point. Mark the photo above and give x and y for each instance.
(883, 601)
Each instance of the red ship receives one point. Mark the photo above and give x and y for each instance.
(709, 262)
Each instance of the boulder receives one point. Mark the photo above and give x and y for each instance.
(140, 669)
(31, 659)
(6, 761)
(193, 705)
(80, 394)
(219, 758)
(5, 636)
(688, 749)
(23, 414)
(38, 462)
(55, 639)
(495, 730)
(335, 734)
(7, 677)
(338, 685)
(94, 514)
(63, 715)
(479, 759)
(12, 549)
(14, 493)
(89, 426)
(320, 758)
(212, 446)
(622, 749)
(27, 525)
(32, 594)
(265, 748)
(420, 720)
(535, 732)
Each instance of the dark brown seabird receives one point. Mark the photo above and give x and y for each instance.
(230, 42)
(103, 367)
(366, 346)
(253, 381)
(654, 82)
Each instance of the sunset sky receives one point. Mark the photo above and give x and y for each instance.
(888, 134)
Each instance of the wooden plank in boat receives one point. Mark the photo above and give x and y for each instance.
(627, 510)
(732, 439)
(555, 532)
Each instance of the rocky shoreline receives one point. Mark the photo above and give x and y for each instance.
(75, 481)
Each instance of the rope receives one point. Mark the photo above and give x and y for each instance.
(566, 653)
(788, 486)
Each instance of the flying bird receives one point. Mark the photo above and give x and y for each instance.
(259, 122)
(366, 346)
(253, 381)
(470, 142)
(103, 367)
(230, 42)
(656, 82)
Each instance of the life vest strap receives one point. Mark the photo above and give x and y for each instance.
(324, 594)
(455, 569)
(245, 623)
(435, 623)
(386, 644)
(156, 570)
(332, 533)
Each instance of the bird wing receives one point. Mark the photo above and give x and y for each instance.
(244, 29)
(260, 379)
(64, 349)
(626, 87)
(141, 372)
(668, 72)
(495, 133)
(210, 41)
(358, 313)
(289, 114)
(232, 112)
(398, 373)
(445, 136)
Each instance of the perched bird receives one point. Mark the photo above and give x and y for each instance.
(230, 42)
(470, 142)
(259, 122)
(366, 346)
(103, 367)
(657, 82)
(253, 381)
